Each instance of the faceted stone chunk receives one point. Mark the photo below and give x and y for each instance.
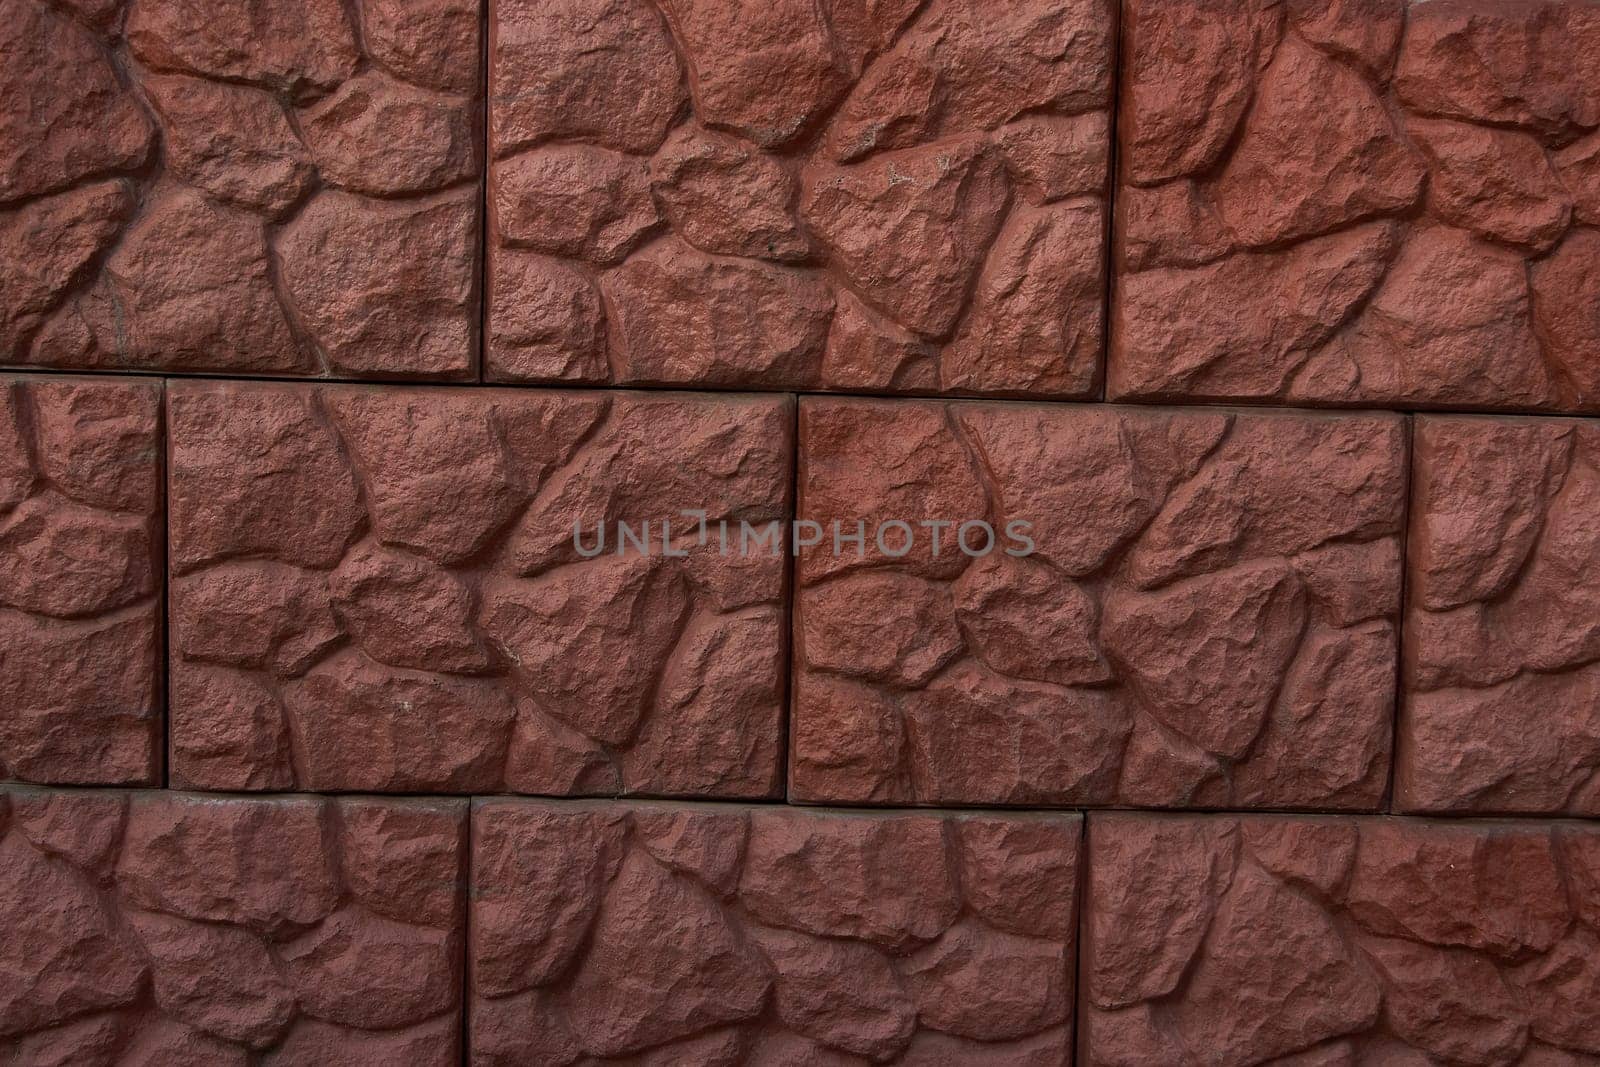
(909, 231)
(579, 202)
(431, 43)
(233, 141)
(967, 66)
(380, 137)
(684, 316)
(1095, 605)
(470, 591)
(386, 288)
(190, 287)
(1034, 325)
(177, 928)
(67, 115)
(579, 70)
(81, 511)
(547, 322)
(258, 472)
(707, 933)
(725, 197)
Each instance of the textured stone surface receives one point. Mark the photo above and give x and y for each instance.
(170, 928)
(80, 580)
(1206, 614)
(713, 934)
(1299, 183)
(1304, 940)
(239, 187)
(381, 589)
(851, 195)
(1502, 664)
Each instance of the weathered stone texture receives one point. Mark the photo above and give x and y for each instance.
(80, 580)
(710, 934)
(381, 589)
(1367, 201)
(284, 187)
(1502, 660)
(846, 195)
(168, 928)
(1329, 941)
(1206, 616)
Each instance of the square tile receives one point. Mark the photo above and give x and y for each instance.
(847, 195)
(717, 934)
(1220, 939)
(1374, 202)
(1502, 660)
(1021, 604)
(404, 590)
(285, 187)
(80, 580)
(164, 927)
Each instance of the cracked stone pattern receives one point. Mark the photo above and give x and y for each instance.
(1207, 618)
(1331, 942)
(284, 187)
(165, 928)
(879, 195)
(80, 580)
(1300, 182)
(379, 589)
(718, 935)
(1502, 659)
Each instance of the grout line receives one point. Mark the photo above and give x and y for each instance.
(1108, 257)
(164, 640)
(1502, 818)
(464, 895)
(1408, 514)
(1245, 406)
(791, 601)
(480, 355)
(1080, 923)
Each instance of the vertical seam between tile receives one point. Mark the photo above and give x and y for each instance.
(1407, 516)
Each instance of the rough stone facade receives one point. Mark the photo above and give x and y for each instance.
(871, 195)
(1207, 616)
(253, 186)
(1322, 941)
(1298, 181)
(176, 928)
(1503, 618)
(718, 934)
(451, 614)
(380, 589)
(81, 577)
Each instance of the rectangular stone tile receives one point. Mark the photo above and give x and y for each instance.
(719, 934)
(405, 590)
(170, 928)
(1386, 202)
(1502, 643)
(1331, 941)
(1123, 606)
(80, 580)
(283, 187)
(852, 195)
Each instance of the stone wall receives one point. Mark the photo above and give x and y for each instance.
(799, 532)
